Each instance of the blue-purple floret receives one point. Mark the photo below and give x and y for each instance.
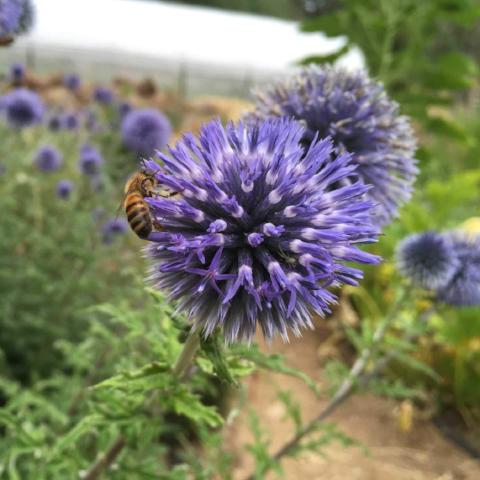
(90, 161)
(357, 114)
(48, 159)
(145, 130)
(258, 235)
(22, 108)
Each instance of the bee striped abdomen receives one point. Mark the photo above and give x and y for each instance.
(138, 215)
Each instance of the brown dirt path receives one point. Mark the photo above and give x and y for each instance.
(421, 454)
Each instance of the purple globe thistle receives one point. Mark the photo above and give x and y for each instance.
(463, 289)
(72, 81)
(258, 234)
(145, 131)
(48, 159)
(103, 95)
(356, 112)
(22, 108)
(428, 259)
(10, 12)
(17, 72)
(113, 228)
(64, 189)
(71, 121)
(90, 160)
(124, 108)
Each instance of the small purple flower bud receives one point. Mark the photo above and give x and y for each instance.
(113, 228)
(103, 95)
(22, 107)
(72, 81)
(48, 159)
(90, 161)
(145, 131)
(64, 189)
(17, 72)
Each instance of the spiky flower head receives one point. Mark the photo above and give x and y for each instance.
(259, 234)
(357, 113)
(48, 159)
(428, 259)
(145, 130)
(22, 108)
(71, 121)
(124, 108)
(90, 160)
(64, 189)
(463, 288)
(103, 95)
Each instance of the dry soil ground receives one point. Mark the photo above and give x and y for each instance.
(421, 454)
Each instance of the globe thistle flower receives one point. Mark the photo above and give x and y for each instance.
(22, 108)
(72, 81)
(17, 72)
(145, 131)
(428, 259)
(113, 228)
(64, 189)
(103, 95)
(259, 234)
(48, 159)
(90, 160)
(10, 12)
(356, 112)
(70, 121)
(463, 289)
(124, 108)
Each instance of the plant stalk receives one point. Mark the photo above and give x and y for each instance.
(180, 370)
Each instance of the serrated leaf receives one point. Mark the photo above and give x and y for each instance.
(188, 404)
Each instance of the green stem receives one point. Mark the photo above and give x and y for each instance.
(180, 370)
(185, 359)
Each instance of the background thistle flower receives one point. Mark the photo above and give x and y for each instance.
(90, 160)
(356, 112)
(428, 260)
(463, 288)
(27, 17)
(145, 131)
(22, 108)
(258, 235)
(113, 228)
(72, 81)
(64, 189)
(103, 95)
(48, 159)
(17, 72)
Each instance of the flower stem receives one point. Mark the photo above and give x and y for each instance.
(180, 370)
(356, 376)
(185, 359)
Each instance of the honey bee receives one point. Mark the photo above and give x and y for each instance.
(139, 186)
